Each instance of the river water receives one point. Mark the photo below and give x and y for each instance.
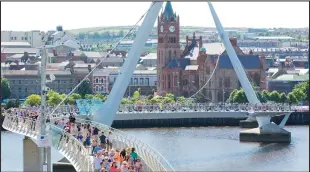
(198, 149)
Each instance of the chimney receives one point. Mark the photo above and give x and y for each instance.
(54, 52)
(233, 41)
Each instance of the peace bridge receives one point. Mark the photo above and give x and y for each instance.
(102, 118)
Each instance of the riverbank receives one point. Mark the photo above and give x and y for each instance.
(192, 119)
(202, 120)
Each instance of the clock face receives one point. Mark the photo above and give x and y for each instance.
(171, 28)
(161, 28)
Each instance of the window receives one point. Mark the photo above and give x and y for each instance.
(19, 89)
(26, 38)
(19, 82)
(97, 88)
(131, 81)
(220, 82)
(26, 90)
(97, 80)
(15, 38)
(13, 81)
(136, 81)
(22, 38)
(141, 81)
(71, 81)
(102, 80)
(58, 81)
(12, 38)
(102, 88)
(227, 82)
(147, 82)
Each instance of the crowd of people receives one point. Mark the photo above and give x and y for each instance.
(100, 146)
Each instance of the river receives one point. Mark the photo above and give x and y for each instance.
(198, 149)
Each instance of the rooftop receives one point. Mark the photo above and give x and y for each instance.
(292, 77)
(15, 44)
(248, 61)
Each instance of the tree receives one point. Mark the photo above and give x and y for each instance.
(126, 101)
(5, 88)
(85, 88)
(283, 98)
(301, 91)
(265, 95)
(12, 104)
(54, 98)
(260, 97)
(33, 100)
(240, 97)
(274, 96)
(89, 96)
(292, 98)
(232, 95)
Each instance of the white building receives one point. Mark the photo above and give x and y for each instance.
(143, 78)
(34, 38)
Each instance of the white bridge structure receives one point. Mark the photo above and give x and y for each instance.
(79, 156)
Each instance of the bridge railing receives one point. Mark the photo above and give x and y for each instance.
(153, 160)
(65, 143)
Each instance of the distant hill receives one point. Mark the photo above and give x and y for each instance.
(116, 29)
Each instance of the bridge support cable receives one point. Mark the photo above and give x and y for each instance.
(107, 111)
(199, 91)
(86, 77)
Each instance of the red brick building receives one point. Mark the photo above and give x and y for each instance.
(183, 72)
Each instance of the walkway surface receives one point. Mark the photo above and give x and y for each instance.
(84, 152)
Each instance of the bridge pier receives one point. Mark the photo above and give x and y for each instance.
(266, 131)
(32, 156)
(250, 122)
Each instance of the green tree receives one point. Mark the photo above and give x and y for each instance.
(89, 96)
(5, 88)
(275, 96)
(54, 98)
(283, 98)
(85, 88)
(265, 95)
(232, 95)
(301, 91)
(33, 100)
(73, 97)
(292, 98)
(12, 104)
(240, 97)
(126, 101)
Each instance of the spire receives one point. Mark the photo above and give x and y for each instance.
(168, 12)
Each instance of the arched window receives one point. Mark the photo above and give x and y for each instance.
(97, 80)
(101, 80)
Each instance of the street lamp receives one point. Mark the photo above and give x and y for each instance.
(44, 139)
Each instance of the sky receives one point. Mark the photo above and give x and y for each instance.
(25, 16)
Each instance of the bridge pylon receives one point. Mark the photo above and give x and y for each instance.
(266, 131)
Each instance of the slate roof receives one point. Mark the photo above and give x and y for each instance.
(248, 62)
(178, 63)
(168, 12)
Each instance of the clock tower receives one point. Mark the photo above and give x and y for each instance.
(168, 31)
